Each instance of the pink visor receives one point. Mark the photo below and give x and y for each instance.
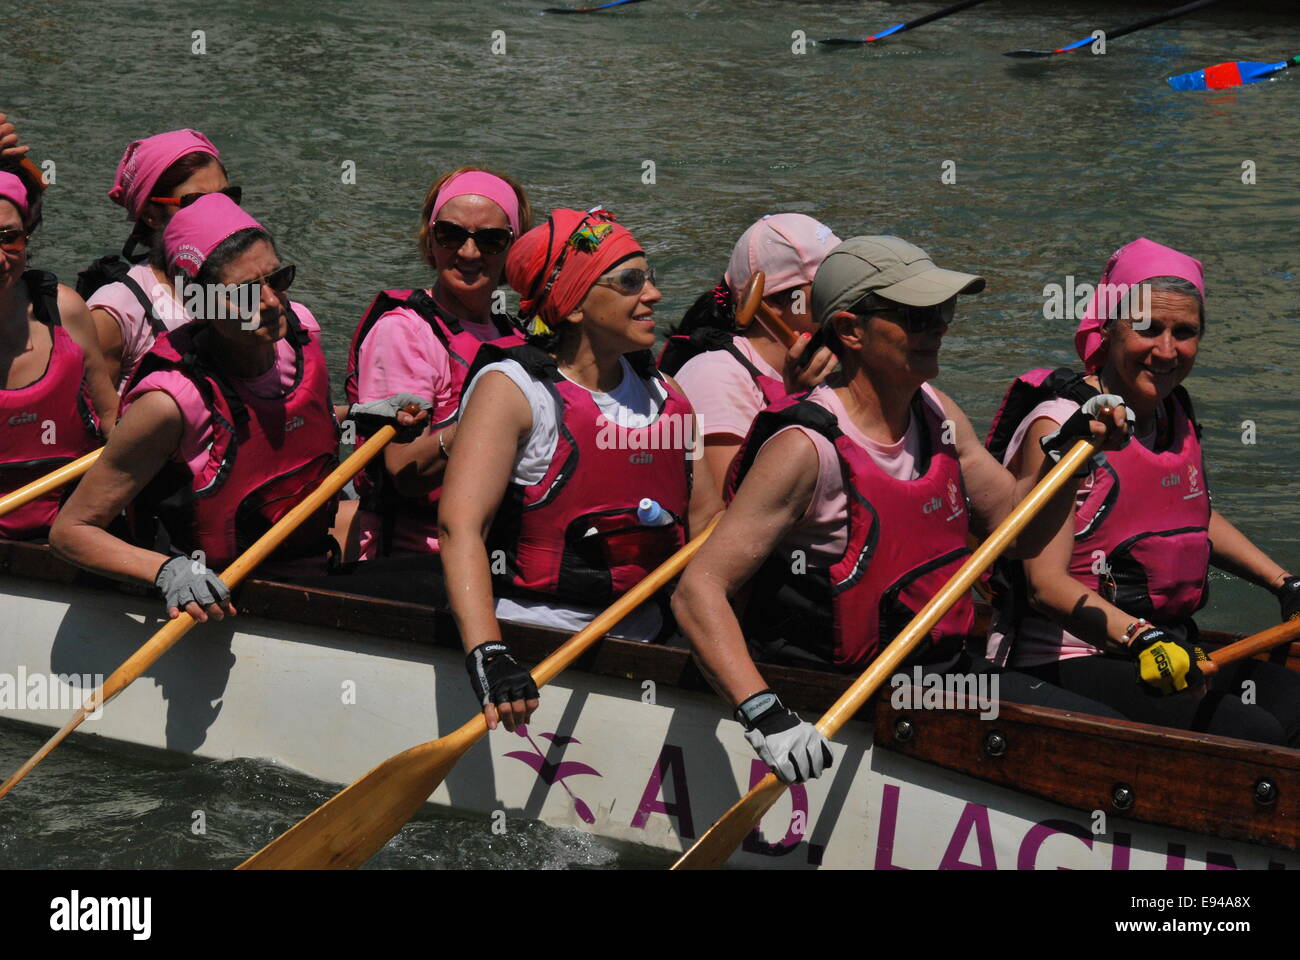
(195, 231)
(480, 184)
(148, 159)
(13, 190)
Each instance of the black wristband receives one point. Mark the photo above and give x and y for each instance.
(753, 709)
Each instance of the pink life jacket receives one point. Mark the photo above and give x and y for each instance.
(375, 486)
(56, 407)
(574, 535)
(680, 348)
(267, 454)
(905, 540)
(1152, 542)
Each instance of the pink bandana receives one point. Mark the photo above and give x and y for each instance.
(1129, 265)
(13, 190)
(195, 231)
(148, 159)
(481, 184)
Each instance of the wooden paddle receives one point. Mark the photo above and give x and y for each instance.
(899, 28)
(1116, 34)
(753, 307)
(51, 481)
(162, 641)
(1252, 645)
(351, 827)
(712, 849)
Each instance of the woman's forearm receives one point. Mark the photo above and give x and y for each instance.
(1081, 611)
(469, 587)
(93, 548)
(709, 622)
(1232, 551)
(419, 466)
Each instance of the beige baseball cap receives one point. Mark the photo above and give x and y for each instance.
(888, 267)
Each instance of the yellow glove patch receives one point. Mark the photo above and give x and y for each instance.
(1164, 666)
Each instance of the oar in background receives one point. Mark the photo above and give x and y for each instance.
(603, 6)
(351, 827)
(1116, 34)
(1234, 73)
(717, 844)
(164, 639)
(753, 308)
(1255, 644)
(51, 481)
(900, 27)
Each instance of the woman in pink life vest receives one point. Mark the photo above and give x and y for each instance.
(851, 505)
(731, 375)
(423, 342)
(559, 442)
(226, 425)
(1106, 609)
(47, 411)
(132, 297)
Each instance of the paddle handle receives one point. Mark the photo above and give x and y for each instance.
(884, 665)
(750, 299)
(1252, 645)
(574, 647)
(165, 638)
(51, 481)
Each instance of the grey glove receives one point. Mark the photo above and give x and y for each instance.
(369, 417)
(794, 749)
(1058, 443)
(183, 580)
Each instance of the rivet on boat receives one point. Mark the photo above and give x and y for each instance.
(903, 731)
(995, 745)
(1265, 792)
(1122, 796)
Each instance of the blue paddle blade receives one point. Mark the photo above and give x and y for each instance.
(1189, 81)
(885, 33)
(1221, 76)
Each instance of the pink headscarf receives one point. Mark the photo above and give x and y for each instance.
(787, 247)
(195, 231)
(481, 184)
(1129, 265)
(148, 159)
(14, 190)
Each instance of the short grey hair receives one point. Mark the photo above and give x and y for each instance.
(1177, 285)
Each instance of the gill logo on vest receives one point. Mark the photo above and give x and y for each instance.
(294, 424)
(1172, 480)
(1194, 488)
(641, 458)
(18, 419)
(955, 501)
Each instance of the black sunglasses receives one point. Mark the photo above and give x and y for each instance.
(489, 240)
(914, 319)
(184, 200)
(248, 294)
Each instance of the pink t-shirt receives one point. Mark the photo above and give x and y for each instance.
(722, 392)
(123, 306)
(402, 354)
(822, 530)
(1039, 640)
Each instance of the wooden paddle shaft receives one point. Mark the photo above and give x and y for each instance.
(1252, 645)
(716, 845)
(51, 481)
(164, 639)
(753, 307)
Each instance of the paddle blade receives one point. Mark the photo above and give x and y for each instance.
(1024, 54)
(354, 825)
(713, 849)
(840, 42)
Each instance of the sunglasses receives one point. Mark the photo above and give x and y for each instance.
(184, 200)
(13, 241)
(914, 319)
(489, 240)
(629, 282)
(249, 294)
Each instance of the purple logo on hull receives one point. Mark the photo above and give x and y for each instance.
(553, 773)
